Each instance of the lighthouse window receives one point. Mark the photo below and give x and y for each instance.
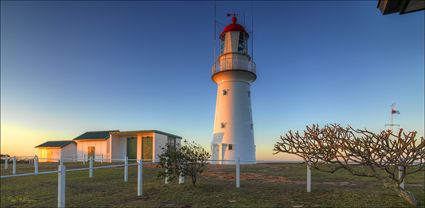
(225, 92)
(249, 93)
(222, 46)
(230, 146)
(252, 126)
(223, 125)
(242, 43)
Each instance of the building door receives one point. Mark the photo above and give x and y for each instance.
(147, 148)
(131, 147)
(91, 152)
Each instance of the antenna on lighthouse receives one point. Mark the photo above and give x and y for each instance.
(252, 32)
(215, 28)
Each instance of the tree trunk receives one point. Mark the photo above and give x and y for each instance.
(194, 179)
(407, 196)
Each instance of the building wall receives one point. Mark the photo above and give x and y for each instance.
(118, 148)
(69, 152)
(48, 154)
(159, 141)
(100, 148)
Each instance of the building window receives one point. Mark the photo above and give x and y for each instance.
(222, 45)
(91, 152)
(171, 141)
(225, 92)
(223, 125)
(230, 146)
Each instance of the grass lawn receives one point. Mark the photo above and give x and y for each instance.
(262, 185)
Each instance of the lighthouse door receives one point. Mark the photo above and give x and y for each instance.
(215, 152)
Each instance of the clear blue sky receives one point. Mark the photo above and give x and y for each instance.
(69, 67)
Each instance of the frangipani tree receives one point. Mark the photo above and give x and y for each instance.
(361, 152)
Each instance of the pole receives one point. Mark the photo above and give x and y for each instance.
(101, 159)
(84, 159)
(6, 161)
(61, 186)
(308, 177)
(252, 29)
(238, 170)
(139, 178)
(91, 167)
(126, 169)
(36, 165)
(400, 175)
(14, 165)
(181, 177)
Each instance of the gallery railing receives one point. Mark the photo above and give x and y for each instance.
(233, 64)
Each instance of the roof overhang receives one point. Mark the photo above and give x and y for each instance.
(142, 133)
(88, 140)
(49, 147)
(400, 6)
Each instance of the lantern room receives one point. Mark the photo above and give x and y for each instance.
(234, 39)
(233, 53)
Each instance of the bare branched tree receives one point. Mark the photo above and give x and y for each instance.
(361, 152)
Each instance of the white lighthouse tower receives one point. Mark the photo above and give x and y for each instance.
(233, 72)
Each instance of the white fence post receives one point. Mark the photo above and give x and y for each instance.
(126, 169)
(84, 159)
(14, 165)
(166, 176)
(238, 170)
(181, 178)
(139, 178)
(36, 165)
(308, 177)
(6, 161)
(91, 167)
(101, 159)
(400, 173)
(167, 179)
(61, 160)
(61, 186)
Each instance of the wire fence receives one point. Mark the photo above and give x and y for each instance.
(61, 171)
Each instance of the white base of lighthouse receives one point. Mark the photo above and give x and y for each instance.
(233, 127)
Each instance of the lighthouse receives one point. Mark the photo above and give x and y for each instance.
(233, 72)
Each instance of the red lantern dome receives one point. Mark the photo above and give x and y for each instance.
(233, 27)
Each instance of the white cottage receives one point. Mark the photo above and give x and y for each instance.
(114, 145)
(52, 151)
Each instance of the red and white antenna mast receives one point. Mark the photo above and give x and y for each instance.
(392, 112)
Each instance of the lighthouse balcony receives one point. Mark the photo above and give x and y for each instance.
(233, 64)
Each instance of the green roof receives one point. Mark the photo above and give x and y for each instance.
(95, 135)
(56, 143)
(154, 131)
(165, 133)
(105, 134)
